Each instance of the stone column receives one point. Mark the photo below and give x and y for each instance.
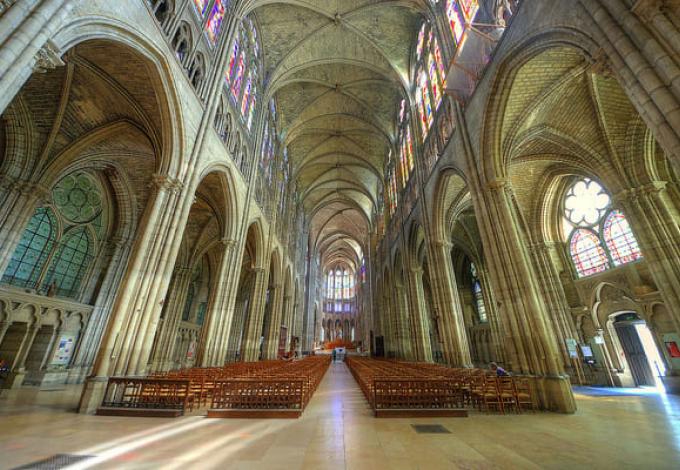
(90, 338)
(4, 326)
(402, 323)
(52, 347)
(130, 332)
(18, 368)
(220, 314)
(253, 325)
(25, 29)
(272, 328)
(175, 301)
(651, 213)
(532, 346)
(556, 302)
(648, 73)
(449, 310)
(420, 316)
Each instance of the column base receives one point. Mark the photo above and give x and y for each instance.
(672, 384)
(77, 375)
(93, 394)
(554, 394)
(14, 380)
(47, 379)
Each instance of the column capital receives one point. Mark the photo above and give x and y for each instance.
(498, 184)
(648, 9)
(443, 244)
(228, 242)
(166, 183)
(48, 58)
(633, 194)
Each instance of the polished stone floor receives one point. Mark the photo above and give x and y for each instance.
(337, 431)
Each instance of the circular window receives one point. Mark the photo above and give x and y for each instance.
(586, 203)
(78, 197)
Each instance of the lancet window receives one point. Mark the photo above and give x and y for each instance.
(243, 72)
(430, 77)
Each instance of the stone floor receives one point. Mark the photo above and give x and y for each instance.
(337, 431)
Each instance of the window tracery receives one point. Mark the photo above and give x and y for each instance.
(598, 236)
(242, 74)
(429, 78)
(60, 242)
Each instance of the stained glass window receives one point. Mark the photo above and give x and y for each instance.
(201, 6)
(469, 9)
(59, 243)
(619, 238)
(420, 45)
(245, 101)
(587, 252)
(599, 238)
(233, 60)
(214, 24)
(456, 21)
(34, 247)
(243, 72)
(477, 294)
(71, 262)
(237, 79)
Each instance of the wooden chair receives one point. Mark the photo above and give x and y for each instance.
(523, 395)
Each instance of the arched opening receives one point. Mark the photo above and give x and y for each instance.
(80, 154)
(638, 345)
(181, 329)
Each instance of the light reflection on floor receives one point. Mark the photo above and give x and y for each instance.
(338, 431)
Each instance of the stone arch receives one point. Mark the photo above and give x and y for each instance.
(172, 134)
(450, 188)
(493, 156)
(227, 184)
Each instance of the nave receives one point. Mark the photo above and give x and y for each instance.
(338, 431)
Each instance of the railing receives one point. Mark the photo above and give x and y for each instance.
(260, 394)
(148, 394)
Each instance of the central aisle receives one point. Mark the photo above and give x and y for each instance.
(337, 431)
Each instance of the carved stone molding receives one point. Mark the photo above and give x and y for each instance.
(166, 183)
(48, 58)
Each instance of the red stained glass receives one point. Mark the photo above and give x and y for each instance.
(587, 253)
(621, 243)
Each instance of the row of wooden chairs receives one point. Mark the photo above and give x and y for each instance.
(389, 384)
(287, 386)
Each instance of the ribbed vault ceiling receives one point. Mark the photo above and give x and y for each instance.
(338, 70)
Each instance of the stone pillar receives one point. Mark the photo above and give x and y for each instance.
(648, 73)
(651, 212)
(532, 347)
(91, 335)
(128, 340)
(420, 323)
(272, 327)
(449, 310)
(175, 301)
(4, 326)
(25, 29)
(220, 314)
(556, 302)
(250, 345)
(18, 367)
(52, 347)
(288, 317)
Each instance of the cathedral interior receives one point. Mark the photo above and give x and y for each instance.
(244, 233)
